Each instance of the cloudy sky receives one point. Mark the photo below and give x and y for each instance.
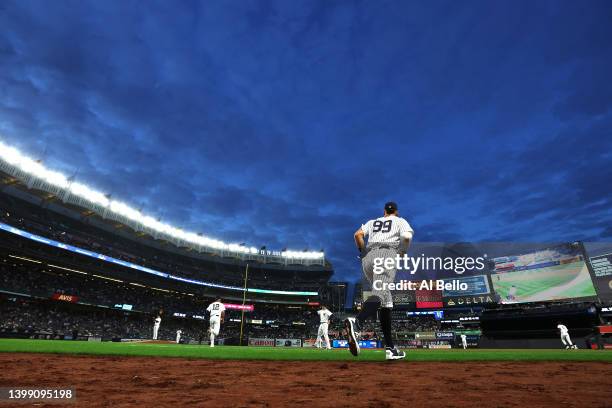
(289, 123)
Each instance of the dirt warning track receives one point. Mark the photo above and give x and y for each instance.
(161, 382)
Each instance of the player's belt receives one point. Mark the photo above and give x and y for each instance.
(381, 246)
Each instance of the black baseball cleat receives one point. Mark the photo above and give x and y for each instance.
(394, 354)
(349, 325)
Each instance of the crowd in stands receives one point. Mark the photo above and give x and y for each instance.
(40, 314)
(423, 323)
(43, 282)
(40, 318)
(20, 279)
(48, 318)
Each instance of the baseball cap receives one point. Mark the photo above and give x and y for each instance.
(390, 207)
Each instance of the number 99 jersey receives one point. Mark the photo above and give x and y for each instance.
(387, 230)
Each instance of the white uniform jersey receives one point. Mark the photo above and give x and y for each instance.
(157, 321)
(324, 315)
(562, 329)
(215, 309)
(387, 230)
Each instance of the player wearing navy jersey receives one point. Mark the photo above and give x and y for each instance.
(387, 236)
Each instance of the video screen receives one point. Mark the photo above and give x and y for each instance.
(548, 274)
(474, 285)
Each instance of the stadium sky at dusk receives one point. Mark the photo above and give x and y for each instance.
(288, 124)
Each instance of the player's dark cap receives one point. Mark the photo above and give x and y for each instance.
(390, 207)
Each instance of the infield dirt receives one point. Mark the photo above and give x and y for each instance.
(174, 382)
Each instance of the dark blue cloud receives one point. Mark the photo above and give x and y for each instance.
(288, 124)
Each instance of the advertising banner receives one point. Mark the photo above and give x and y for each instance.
(438, 314)
(261, 342)
(429, 299)
(233, 306)
(425, 335)
(439, 346)
(468, 300)
(65, 298)
(445, 335)
(309, 342)
(288, 342)
(366, 344)
(404, 297)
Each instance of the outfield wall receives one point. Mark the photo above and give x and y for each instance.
(527, 343)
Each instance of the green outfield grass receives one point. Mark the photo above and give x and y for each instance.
(280, 353)
(531, 282)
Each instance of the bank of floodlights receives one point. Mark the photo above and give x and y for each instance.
(34, 168)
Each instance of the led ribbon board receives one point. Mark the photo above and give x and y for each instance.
(106, 258)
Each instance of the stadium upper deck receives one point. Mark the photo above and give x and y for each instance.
(34, 231)
(22, 172)
(31, 213)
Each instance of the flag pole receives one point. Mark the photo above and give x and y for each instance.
(244, 291)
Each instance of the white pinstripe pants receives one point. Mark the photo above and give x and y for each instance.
(387, 276)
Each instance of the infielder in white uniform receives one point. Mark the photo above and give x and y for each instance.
(565, 337)
(388, 236)
(156, 324)
(464, 341)
(324, 315)
(217, 314)
(179, 332)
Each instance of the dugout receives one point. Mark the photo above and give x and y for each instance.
(535, 325)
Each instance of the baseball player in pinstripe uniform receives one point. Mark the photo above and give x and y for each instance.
(388, 236)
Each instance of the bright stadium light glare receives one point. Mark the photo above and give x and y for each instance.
(88, 194)
(56, 179)
(125, 210)
(10, 154)
(15, 159)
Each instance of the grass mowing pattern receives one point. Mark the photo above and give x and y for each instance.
(295, 354)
